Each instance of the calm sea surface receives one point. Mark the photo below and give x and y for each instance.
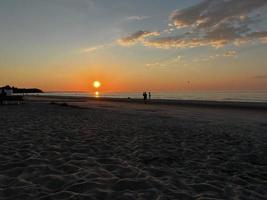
(241, 96)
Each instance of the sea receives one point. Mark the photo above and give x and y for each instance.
(233, 95)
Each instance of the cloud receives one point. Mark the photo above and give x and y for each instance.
(264, 40)
(95, 48)
(188, 16)
(166, 63)
(174, 42)
(156, 64)
(216, 38)
(260, 77)
(230, 54)
(136, 37)
(137, 18)
(260, 35)
(212, 12)
(213, 23)
(187, 41)
(218, 23)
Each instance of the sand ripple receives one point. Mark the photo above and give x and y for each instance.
(49, 152)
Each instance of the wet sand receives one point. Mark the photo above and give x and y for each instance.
(118, 150)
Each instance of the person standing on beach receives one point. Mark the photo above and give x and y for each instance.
(2, 96)
(149, 95)
(145, 96)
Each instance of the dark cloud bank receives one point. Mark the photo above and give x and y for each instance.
(210, 23)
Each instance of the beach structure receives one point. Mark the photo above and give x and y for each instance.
(6, 96)
(7, 90)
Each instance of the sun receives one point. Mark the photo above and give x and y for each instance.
(96, 84)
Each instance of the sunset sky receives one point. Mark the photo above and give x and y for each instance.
(134, 45)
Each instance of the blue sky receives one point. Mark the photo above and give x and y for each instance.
(53, 43)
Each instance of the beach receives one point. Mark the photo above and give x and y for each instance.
(63, 148)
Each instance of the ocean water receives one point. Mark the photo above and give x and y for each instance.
(237, 96)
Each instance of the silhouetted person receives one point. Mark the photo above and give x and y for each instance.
(2, 96)
(145, 96)
(149, 95)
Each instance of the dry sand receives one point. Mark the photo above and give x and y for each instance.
(111, 150)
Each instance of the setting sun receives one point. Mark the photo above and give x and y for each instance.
(96, 84)
(102, 98)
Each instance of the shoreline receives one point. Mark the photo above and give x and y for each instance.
(170, 102)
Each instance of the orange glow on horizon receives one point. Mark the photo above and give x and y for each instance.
(103, 81)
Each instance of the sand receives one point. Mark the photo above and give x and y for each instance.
(111, 150)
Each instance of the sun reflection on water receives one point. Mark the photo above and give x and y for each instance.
(97, 94)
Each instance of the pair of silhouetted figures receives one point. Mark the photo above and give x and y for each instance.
(145, 95)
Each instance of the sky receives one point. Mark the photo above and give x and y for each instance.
(134, 45)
